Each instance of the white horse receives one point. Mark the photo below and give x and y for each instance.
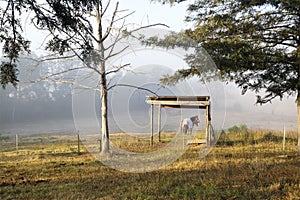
(187, 124)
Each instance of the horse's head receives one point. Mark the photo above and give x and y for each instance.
(195, 120)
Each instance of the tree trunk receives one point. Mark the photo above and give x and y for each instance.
(103, 84)
(103, 97)
(104, 120)
(298, 107)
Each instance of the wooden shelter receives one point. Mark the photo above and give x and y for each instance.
(184, 102)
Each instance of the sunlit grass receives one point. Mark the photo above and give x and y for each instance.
(49, 167)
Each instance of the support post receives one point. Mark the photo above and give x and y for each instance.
(17, 143)
(208, 132)
(209, 125)
(151, 124)
(159, 122)
(207, 128)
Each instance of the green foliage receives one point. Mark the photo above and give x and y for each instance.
(8, 74)
(246, 136)
(4, 138)
(13, 43)
(253, 43)
(240, 133)
(65, 20)
(236, 129)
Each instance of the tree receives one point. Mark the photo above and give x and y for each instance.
(77, 29)
(254, 43)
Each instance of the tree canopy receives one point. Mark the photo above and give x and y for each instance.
(65, 20)
(254, 43)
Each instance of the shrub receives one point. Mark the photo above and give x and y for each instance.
(224, 139)
(270, 137)
(233, 129)
(4, 138)
(245, 136)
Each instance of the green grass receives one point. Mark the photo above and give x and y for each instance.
(50, 168)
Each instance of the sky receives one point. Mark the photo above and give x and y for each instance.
(240, 109)
(145, 13)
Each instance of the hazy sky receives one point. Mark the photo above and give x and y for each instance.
(239, 109)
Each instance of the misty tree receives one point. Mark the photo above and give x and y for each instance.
(77, 29)
(254, 43)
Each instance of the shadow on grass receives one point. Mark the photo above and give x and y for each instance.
(211, 178)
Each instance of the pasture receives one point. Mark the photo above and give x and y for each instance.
(243, 165)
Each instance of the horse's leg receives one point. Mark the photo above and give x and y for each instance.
(185, 129)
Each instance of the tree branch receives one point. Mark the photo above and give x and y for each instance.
(117, 69)
(108, 30)
(132, 86)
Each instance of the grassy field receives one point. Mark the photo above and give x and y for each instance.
(243, 165)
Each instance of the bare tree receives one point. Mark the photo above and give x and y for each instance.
(85, 30)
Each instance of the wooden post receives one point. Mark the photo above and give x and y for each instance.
(209, 124)
(207, 127)
(100, 145)
(78, 143)
(17, 143)
(159, 122)
(283, 142)
(151, 124)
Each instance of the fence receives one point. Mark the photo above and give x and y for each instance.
(17, 143)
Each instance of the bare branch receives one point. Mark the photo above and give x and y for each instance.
(116, 40)
(51, 58)
(108, 30)
(105, 9)
(72, 82)
(147, 26)
(117, 53)
(132, 86)
(119, 37)
(117, 69)
(62, 72)
(124, 17)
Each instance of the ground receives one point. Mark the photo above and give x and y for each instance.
(248, 165)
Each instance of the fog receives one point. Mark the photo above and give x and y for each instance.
(46, 107)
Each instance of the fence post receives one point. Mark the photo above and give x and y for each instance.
(283, 141)
(17, 143)
(78, 143)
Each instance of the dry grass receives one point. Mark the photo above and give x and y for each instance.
(50, 168)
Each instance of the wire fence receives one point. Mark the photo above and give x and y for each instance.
(18, 143)
(258, 141)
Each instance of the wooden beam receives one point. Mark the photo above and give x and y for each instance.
(196, 103)
(184, 106)
(179, 98)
